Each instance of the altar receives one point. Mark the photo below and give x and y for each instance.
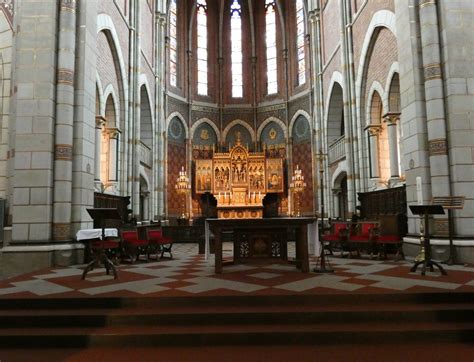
(239, 180)
(262, 238)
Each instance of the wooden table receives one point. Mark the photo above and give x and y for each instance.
(268, 226)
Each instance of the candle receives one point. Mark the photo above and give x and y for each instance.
(419, 191)
(225, 195)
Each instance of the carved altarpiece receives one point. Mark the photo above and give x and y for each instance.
(239, 180)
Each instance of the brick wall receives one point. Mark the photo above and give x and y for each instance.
(383, 54)
(106, 63)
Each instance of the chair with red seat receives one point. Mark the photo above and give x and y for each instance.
(133, 246)
(364, 237)
(336, 238)
(159, 242)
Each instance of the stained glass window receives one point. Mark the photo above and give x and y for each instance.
(173, 30)
(202, 47)
(300, 38)
(270, 40)
(236, 52)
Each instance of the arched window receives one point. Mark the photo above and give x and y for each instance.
(300, 42)
(236, 43)
(202, 47)
(270, 39)
(173, 44)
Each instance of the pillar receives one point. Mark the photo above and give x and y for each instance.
(391, 119)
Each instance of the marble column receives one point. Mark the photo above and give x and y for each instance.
(374, 132)
(99, 126)
(391, 119)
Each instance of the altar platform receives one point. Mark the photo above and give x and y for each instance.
(189, 274)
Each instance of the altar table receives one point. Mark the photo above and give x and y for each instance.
(270, 227)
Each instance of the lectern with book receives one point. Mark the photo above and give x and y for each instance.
(426, 211)
(100, 217)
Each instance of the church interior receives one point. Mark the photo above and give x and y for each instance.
(166, 154)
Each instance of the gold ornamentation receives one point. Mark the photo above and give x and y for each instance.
(204, 134)
(272, 134)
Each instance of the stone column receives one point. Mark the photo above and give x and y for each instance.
(317, 83)
(392, 129)
(347, 64)
(374, 132)
(64, 121)
(84, 114)
(160, 119)
(100, 123)
(434, 95)
(112, 136)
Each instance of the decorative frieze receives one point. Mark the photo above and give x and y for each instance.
(68, 5)
(63, 152)
(61, 231)
(65, 76)
(424, 3)
(438, 147)
(432, 71)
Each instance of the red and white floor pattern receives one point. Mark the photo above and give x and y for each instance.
(188, 273)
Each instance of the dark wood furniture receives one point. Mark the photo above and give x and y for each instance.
(335, 238)
(120, 203)
(426, 211)
(450, 203)
(100, 217)
(158, 242)
(363, 237)
(264, 229)
(389, 207)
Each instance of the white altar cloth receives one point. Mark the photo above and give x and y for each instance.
(87, 234)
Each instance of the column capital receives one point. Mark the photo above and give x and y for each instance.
(112, 132)
(161, 17)
(314, 16)
(391, 118)
(100, 121)
(373, 129)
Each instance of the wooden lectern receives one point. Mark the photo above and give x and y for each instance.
(100, 216)
(426, 211)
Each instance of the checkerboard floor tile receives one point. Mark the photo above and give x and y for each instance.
(189, 273)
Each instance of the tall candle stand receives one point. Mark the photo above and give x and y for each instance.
(297, 186)
(183, 187)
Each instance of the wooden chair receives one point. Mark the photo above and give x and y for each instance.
(390, 239)
(133, 246)
(159, 242)
(364, 237)
(336, 238)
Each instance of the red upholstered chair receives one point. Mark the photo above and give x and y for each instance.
(364, 237)
(159, 242)
(336, 238)
(133, 246)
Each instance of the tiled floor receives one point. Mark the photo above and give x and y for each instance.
(188, 273)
